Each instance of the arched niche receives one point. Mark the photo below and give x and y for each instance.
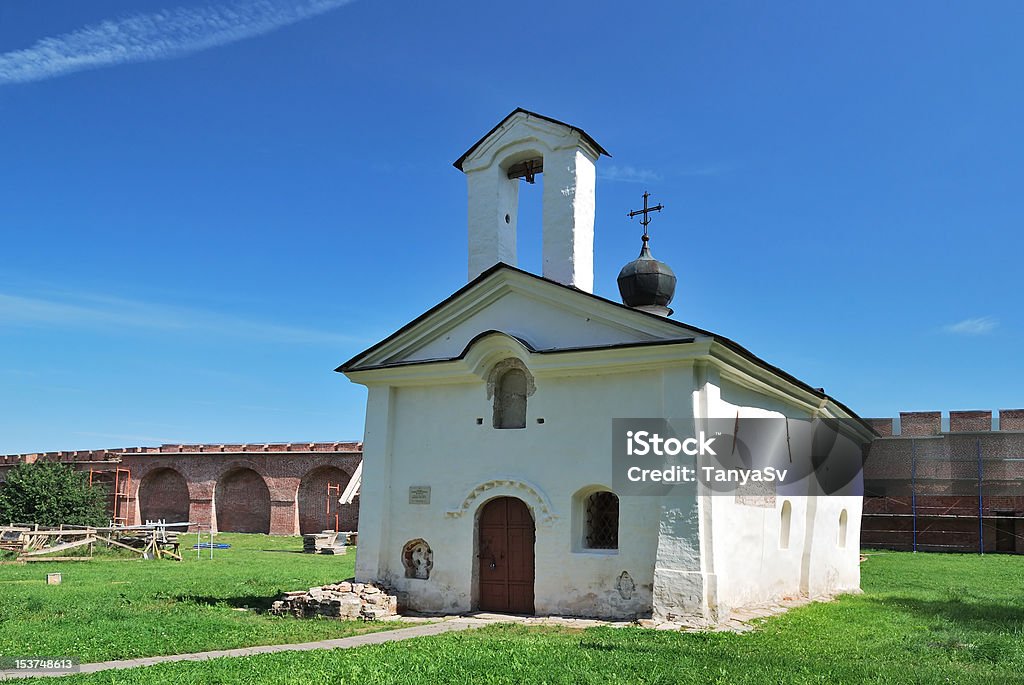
(163, 495)
(243, 502)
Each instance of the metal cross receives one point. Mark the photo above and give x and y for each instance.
(646, 211)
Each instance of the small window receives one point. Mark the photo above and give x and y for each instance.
(787, 519)
(842, 529)
(510, 400)
(601, 511)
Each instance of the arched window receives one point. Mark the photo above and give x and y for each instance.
(601, 520)
(787, 520)
(510, 394)
(842, 528)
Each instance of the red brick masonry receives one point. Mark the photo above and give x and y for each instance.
(281, 489)
(961, 490)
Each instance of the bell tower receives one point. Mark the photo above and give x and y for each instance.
(521, 146)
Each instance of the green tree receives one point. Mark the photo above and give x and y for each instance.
(51, 494)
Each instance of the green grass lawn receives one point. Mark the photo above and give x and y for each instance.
(922, 619)
(115, 608)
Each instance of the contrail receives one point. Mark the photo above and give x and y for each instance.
(159, 35)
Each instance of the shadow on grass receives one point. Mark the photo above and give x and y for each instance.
(599, 646)
(971, 615)
(256, 603)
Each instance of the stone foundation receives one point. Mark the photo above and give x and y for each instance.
(343, 600)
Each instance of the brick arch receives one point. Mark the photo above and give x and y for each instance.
(317, 509)
(242, 500)
(163, 494)
(236, 464)
(300, 468)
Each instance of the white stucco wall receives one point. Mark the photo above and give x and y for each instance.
(439, 443)
(751, 566)
(430, 436)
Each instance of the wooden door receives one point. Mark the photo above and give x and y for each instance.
(506, 556)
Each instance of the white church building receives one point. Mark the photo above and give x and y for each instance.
(487, 469)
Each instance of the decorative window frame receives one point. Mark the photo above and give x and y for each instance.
(579, 522)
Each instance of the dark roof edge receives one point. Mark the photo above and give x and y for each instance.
(530, 348)
(727, 342)
(586, 136)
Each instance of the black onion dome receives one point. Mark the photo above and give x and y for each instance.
(646, 282)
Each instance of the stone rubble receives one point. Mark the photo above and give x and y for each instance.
(345, 600)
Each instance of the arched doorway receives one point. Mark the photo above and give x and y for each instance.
(319, 510)
(163, 495)
(506, 536)
(243, 502)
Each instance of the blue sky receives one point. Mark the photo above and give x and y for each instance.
(206, 206)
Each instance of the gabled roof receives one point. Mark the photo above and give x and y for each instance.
(686, 333)
(391, 351)
(520, 110)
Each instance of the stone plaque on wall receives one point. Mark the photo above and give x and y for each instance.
(419, 494)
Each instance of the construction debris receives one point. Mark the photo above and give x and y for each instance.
(31, 543)
(327, 542)
(12, 539)
(345, 600)
(34, 541)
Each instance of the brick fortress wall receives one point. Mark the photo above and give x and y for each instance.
(958, 490)
(281, 489)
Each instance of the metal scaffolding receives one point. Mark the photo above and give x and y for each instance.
(955, 492)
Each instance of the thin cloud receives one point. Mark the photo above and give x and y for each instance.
(980, 326)
(91, 311)
(159, 35)
(708, 170)
(628, 174)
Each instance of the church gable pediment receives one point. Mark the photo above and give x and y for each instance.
(543, 315)
(535, 132)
